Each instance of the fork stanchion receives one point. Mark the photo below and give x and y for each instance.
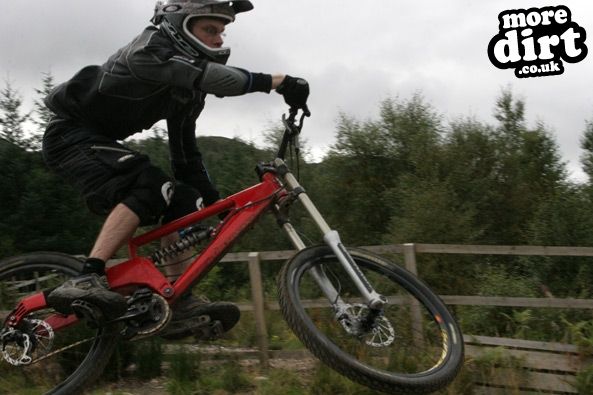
(257, 294)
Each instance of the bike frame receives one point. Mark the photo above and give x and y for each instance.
(244, 209)
(278, 189)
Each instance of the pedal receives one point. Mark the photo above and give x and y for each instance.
(89, 312)
(211, 321)
(210, 330)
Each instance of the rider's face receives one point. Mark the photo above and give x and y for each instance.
(209, 31)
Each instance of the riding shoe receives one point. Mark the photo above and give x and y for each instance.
(85, 290)
(201, 318)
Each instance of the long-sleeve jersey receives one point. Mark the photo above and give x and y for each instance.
(144, 82)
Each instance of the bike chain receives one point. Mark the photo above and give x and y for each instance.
(55, 352)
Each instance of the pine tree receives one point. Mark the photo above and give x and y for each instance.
(42, 114)
(11, 120)
(587, 146)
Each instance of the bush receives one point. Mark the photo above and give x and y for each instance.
(581, 334)
(327, 381)
(498, 321)
(149, 358)
(496, 362)
(584, 381)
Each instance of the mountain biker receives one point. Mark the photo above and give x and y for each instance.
(165, 73)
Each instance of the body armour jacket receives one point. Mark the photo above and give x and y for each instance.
(146, 81)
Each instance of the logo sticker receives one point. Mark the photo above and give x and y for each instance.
(536, 42)
(200, 203)
(167, 190)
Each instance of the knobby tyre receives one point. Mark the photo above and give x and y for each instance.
(414, 347)
(69, 371)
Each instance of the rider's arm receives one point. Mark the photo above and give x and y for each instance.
(186, 159)
(277, 80)
(222, 80)
(152, 58)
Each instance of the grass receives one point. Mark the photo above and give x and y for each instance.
(188, 374)
(10, 386)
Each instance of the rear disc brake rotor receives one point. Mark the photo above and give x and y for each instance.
(21, 348)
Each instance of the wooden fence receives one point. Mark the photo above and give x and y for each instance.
(547, 367)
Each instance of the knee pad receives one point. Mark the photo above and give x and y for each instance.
(185, 200)
(150, 195)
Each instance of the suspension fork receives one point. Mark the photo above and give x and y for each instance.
(372, 298)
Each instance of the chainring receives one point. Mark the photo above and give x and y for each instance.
(156, 315)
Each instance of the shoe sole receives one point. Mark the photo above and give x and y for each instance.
(111, 304)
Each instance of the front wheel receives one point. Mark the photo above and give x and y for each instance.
(412, 346)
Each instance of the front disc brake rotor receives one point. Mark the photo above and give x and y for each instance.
(381, 334)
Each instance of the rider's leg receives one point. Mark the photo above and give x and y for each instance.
(114, 180)
(118, 228)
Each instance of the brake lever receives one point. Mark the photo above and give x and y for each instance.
(306, 111)
(302, 119)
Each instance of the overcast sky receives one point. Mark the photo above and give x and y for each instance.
(354, 54)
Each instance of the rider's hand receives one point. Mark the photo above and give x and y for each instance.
(295, 91)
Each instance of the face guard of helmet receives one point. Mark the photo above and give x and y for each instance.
(174, 17)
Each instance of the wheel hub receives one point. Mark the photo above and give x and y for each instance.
(376, 331)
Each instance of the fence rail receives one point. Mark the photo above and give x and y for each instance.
(549, 367)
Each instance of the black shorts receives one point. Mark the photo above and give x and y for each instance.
(103, 170)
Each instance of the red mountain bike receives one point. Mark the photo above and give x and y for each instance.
(365, 317)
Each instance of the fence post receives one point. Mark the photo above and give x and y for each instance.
(415, 310)
(257, 294)
(410, 258)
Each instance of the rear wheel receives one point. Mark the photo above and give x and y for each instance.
(65, 361)
(412, 346)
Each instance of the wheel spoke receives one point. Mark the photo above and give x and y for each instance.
(404, 347)
(413, 358)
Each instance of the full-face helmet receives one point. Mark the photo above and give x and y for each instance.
(174, 17)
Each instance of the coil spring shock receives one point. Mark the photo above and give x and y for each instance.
(189, 238)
